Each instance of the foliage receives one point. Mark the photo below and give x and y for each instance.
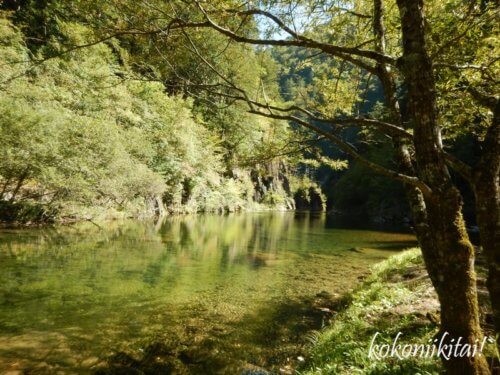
(308, 195)
(361, 192)
(75, 135)
(464, 40)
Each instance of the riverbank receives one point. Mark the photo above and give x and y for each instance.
(299, 194)
(26, 215)
(396, 297)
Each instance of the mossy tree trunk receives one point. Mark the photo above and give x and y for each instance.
(388, 82)
(447, 251)
(486, 183)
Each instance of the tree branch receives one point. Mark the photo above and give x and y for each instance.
(385, 127)
(297, 41)
(488, 101)
(459, 166)
(174, 24)
(350, 150)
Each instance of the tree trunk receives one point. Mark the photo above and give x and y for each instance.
(4, 189)
(486, 182)
(448, 253)
(414, 196)
(450, 263)
(18, 186)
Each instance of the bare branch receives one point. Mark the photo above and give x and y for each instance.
(459, 166)
(350, 150)
(488, 101)
(459, 67)
(385, 127)
(297, 41)
(357, 14)
(174, 24)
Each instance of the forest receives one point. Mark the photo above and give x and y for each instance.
(90, 133)
(354, 115)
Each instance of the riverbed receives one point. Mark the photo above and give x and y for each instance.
(197, 294)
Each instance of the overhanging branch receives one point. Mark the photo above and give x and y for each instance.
(350, 150)
(297, 40)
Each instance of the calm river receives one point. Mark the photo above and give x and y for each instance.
(189, 295)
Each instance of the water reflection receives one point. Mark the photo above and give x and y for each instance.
(73, 297)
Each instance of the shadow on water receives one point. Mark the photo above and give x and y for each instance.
(397, 246)
(275, 336)
(192, 294)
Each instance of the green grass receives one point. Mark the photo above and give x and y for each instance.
(376, 306)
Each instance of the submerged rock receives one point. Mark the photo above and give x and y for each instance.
(250, 369)
(324, 294)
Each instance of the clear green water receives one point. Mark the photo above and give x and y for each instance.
(192, 294)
